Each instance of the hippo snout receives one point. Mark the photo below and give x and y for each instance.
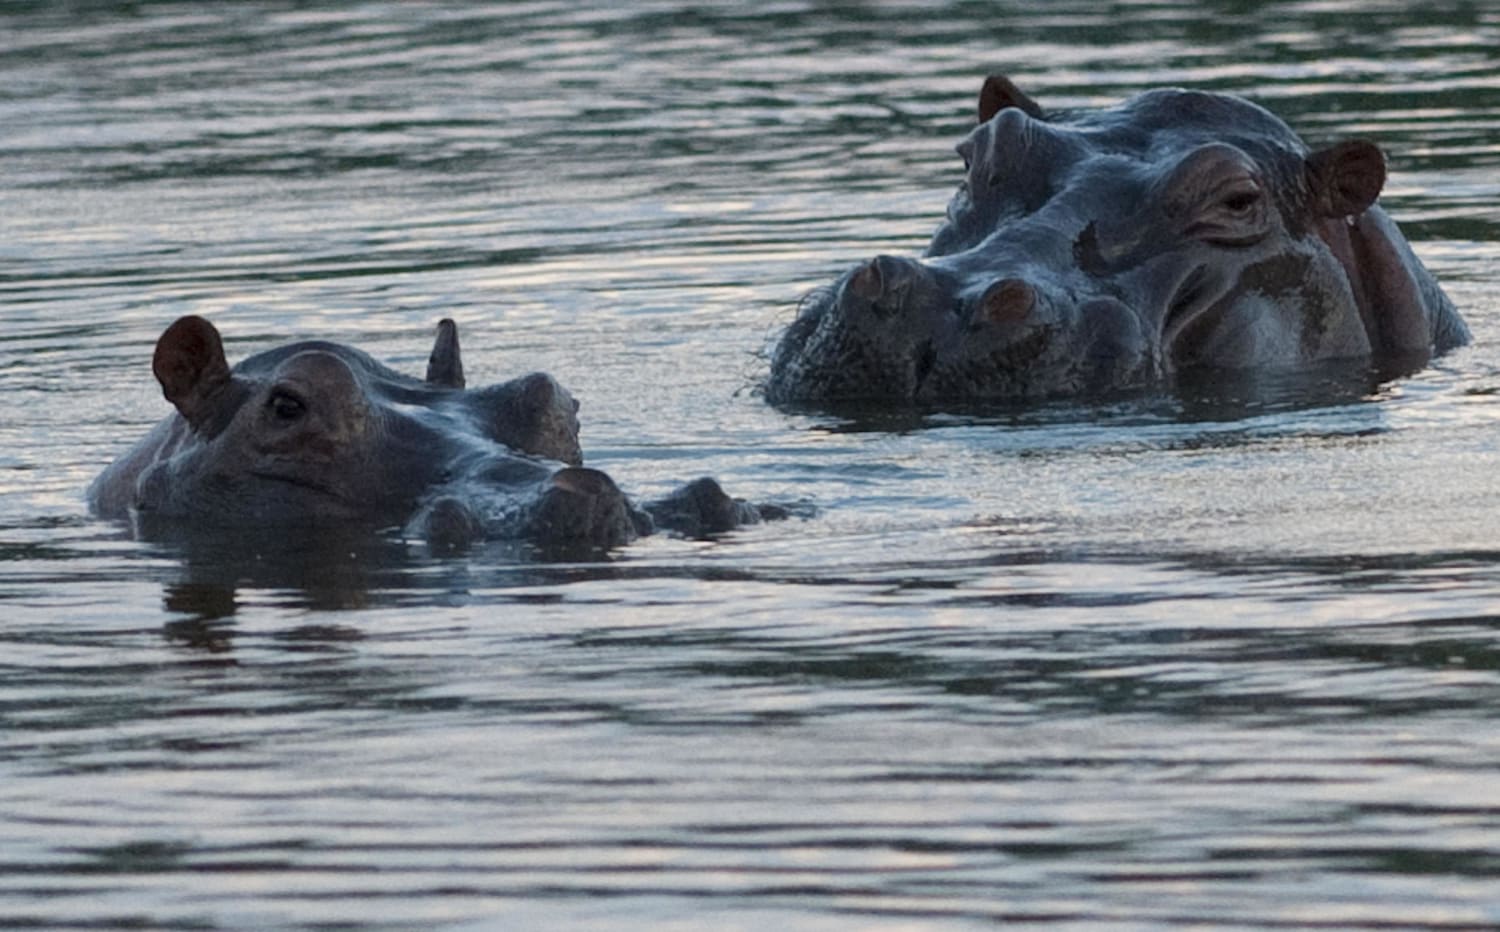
(912, 329)
(918, 297)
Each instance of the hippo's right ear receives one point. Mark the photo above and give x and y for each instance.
(1345, 179)
(1000, 93)
(190, 365)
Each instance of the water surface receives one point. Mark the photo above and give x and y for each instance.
(1218, 658)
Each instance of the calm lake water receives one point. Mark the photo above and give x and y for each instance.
(1229, 659)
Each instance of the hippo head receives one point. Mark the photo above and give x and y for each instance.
(317, 434)
(1114, 248)
(298, 445)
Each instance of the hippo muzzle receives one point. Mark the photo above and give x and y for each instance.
(917, 330)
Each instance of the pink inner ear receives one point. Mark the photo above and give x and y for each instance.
(1379, 272)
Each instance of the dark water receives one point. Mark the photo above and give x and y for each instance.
(1226, 660)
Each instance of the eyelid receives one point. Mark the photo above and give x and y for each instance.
(280, 395)
(1238, 188)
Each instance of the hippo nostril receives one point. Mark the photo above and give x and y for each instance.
(1008, 301)
(884, 282)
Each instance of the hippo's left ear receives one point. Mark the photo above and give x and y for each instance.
(1345, 179)
(1000, 93)
(445, 368)
(190, 365)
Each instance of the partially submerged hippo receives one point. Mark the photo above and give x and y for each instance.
(317, 434)
(1113, 248)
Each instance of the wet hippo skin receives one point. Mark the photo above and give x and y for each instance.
(315, 435)
(1118, 247)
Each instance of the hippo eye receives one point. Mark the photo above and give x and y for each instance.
(1238, 202)
(1235, 215)
(285, 407)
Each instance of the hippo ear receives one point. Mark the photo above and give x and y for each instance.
(1000, 93)
(444, 367)
(189, 363)
(1345, 179)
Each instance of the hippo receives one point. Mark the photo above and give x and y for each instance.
(318, 435)
(1093, 251)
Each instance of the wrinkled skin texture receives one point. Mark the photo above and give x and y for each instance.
(319, 435)
(1115, 248)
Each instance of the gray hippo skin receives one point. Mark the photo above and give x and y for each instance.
(1115, 248)
(319, 435)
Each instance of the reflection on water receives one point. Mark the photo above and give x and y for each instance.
(1336, 390)
(1224, 656)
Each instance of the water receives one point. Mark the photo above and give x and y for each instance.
(1164, 661)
